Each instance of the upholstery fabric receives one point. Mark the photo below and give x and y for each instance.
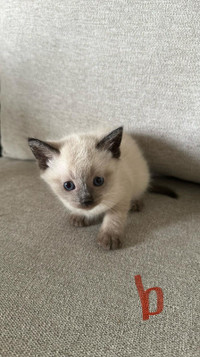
(61, 295)
(77, 65)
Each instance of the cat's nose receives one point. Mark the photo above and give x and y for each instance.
(87, 202)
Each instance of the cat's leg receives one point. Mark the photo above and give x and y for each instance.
(136, 205)
(112, 228)
(78, 220)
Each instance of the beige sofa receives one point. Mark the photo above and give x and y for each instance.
(79, 65)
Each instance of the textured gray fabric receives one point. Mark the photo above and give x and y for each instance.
(61, 295)
(79, 64)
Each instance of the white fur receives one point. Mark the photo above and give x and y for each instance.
(131, 177)
(126, 180)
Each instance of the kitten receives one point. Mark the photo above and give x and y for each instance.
(95, 175)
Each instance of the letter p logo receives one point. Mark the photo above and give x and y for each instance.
(144, 298)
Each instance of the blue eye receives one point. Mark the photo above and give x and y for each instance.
(69, 185)
(98, 181)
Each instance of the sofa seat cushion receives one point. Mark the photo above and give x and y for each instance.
(61, 295)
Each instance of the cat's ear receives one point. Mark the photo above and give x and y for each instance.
(43, 151)
(111, 142)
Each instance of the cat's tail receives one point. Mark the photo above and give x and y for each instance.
(162, 190)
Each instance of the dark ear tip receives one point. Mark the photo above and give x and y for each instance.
(31, 140)
(119, 131)
(120, 128)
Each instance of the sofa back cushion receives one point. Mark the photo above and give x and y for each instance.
(70, 66)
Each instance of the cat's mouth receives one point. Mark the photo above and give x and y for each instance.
(87, 207)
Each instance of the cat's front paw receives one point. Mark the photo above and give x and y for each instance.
(109, 240)
(79, 221)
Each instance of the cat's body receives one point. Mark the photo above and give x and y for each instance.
(128, 175)
(95, 175)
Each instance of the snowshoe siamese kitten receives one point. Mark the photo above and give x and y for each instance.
(96, 175)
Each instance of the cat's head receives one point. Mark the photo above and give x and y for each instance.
(80, 169)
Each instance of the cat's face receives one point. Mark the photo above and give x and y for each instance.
(80, 169)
